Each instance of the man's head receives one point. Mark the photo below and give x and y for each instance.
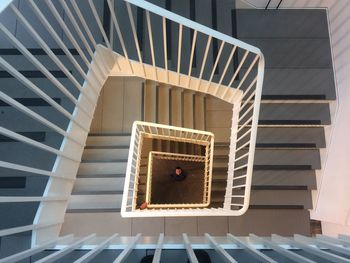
(178, 170)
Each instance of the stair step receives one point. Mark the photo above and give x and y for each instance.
(176, 107)
(98, 184)
(107, 147)
(278, 207)
(105, 160)
(163, 105)
(283, 167)
(108, 140)
(263, 221)
(101, 175)
(105, 154)
(102, 168)
(275, 178)
(294, 114)
(297, 135)
(291, 122)
(103, 201)
(223, 170)
(278, 157)
(102, 134)
(150, 98)
(221, 150)
(282, 197)
(275, 197)
(95, 210)
(221, 187)
(293, 97)
(286, 145)
(97, 192)
(224, 149)
(188, 109)
(199, 111)
(285, 177)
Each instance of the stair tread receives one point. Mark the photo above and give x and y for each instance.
(105, 161)
(106, 193)
(101, 176)
(96, 210)
(103, 147)
(109, 134)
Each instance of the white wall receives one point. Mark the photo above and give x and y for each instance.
(332, 200)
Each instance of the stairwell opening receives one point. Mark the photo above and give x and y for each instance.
(155, 152)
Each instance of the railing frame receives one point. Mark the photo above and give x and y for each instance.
(105, 62)
(182, 157)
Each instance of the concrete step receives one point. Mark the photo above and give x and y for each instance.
(312, 137)
(108, 140)
(265, 222)
(98, 184)
(300, 199)
(282, 197)
(309, 157)
(188, 109)
(287, 157)
(315, 113)
(163, 107)
(102, 168)
(95, 201)
(102, 223)
(285, 178)
(150, 101)
(305, 83)
(105, 154)
(176, 107)
(199, 111)
(270, 221)
(279, 137)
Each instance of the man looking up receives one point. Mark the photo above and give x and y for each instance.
(179, 174)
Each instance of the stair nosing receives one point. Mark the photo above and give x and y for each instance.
(116, 134)
(120, 192)
(107, 147)
(100, 176)
(94, 210)
(106, 161)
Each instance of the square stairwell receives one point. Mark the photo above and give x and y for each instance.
(155, 151)
(163, 190)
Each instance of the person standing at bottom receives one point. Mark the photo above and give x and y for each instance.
(179, 174)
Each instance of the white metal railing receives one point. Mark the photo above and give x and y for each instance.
(328, 249)
(141, 131)
(240, 86)
(81, 90)
(86, 56)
